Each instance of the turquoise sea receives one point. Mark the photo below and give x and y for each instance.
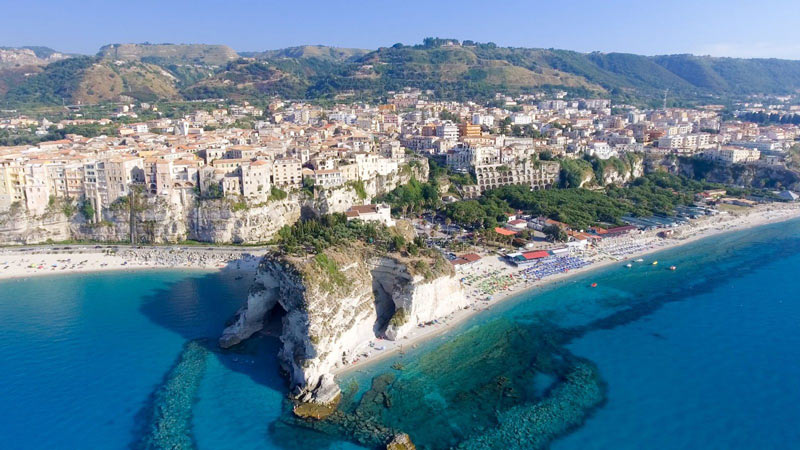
(707, 356)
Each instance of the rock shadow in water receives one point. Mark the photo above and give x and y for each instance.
(197, 308)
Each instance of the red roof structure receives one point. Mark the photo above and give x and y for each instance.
(471, 257)
(621, 230)
(504, 231)
(536, 255)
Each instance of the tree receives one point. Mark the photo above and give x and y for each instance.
(214, 190)
(555, 233)
(308, 186)
(397, 243)
(504, 124)
(88, 210)
(447, 115)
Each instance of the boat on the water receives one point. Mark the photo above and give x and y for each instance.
(655, 263)
(629, 265)
(594, 285)
(672, 268)
(640, 260)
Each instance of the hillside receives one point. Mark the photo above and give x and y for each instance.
(91, 80)
(477, 71)
(310, 51)
(241, 79)
(164, 54)
(28, 56)
(469, 71)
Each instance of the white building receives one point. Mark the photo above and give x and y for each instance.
(371, 213)
(483, 119)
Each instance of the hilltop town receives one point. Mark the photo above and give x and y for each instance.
(348, 154)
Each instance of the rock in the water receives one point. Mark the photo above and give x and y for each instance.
(315, 410)
(401, 441)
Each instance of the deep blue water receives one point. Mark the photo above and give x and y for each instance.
(707, 356)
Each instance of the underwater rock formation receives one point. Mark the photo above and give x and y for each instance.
(502, 385)
(169, 413)
(401, 441)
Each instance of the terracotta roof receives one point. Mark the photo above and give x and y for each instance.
(363, 209)
(504, 231)
(471, 257)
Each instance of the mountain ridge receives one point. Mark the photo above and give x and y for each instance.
(449, 68)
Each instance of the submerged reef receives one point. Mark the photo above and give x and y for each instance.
(168, 415)
(536, 425)
(500, 383)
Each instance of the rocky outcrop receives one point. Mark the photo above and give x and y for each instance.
(755, 175)
(216, 221)
(401, 441)
(413, 300)
(619, 171)
(18, 227)
(28, 56)
(337, 301)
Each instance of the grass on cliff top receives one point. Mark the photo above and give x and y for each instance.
(332, 277)
(331, 236)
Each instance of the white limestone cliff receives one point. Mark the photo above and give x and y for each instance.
(182, 215)
(333, 306)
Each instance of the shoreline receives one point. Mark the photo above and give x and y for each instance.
(698, 229)
(35, 261)
(30, 262)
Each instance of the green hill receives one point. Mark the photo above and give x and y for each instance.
(163, 54)
(446, 67)
(310, 51)
(87, 79)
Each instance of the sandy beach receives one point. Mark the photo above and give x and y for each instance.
(607, 252)
(24, 262)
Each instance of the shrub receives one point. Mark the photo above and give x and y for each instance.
(277, 194)
(399, 318)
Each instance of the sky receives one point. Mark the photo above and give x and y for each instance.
(765, 28)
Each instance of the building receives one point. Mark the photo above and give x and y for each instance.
(287, 172)
(735, 155)
(328, 178)
(255, 179)
(483, 119)
(371, 213)
(469, 130)
(447, 131)
(120, 173)
(536, 174)
(12, 183)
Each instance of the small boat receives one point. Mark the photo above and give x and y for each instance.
(672, 268)
(655, 263)
(594, 285)
(629, 265)
(640, 260)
